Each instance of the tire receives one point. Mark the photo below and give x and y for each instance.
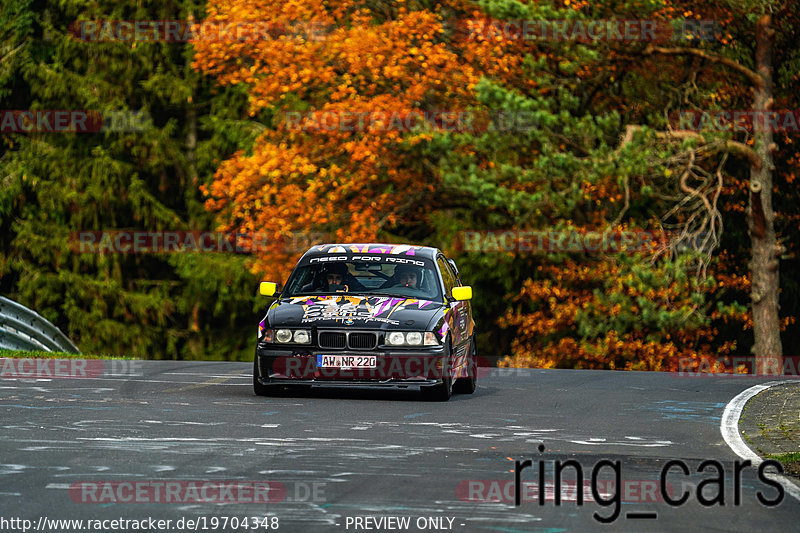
(258, 388)
(443, 391)
(467, 385)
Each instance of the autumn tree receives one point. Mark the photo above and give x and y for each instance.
(313, 168)
(566, 172)
(684, 168)
(749, 35)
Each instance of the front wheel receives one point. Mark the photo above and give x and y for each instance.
(258, 387)
(443, 391)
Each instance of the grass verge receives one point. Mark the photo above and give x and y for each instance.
(790, 462)
(19, 354)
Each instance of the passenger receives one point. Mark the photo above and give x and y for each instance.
(407, 276)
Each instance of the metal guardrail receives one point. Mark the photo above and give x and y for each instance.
(23, 329)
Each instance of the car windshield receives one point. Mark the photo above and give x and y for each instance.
(380, 275)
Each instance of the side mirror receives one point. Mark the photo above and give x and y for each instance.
(462, 293)
(268, 288)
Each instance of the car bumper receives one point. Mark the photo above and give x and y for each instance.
(393, 369)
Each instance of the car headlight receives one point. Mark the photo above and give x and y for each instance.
(414, 338)
(302, 336)
(411, 338)
(396, 338)
(283, 335)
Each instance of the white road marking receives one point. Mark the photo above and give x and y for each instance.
(182, 423)
(596, 442)
(243, 376)
(729, 427)
(130, 378)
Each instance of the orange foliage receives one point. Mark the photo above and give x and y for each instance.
(546, 337)
(346, 181)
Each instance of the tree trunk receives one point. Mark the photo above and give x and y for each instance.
(191, 146)
(195, 342)
(765, 280)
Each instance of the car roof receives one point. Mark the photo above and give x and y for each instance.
(381, 248)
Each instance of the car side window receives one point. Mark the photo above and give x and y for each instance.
(447, 276)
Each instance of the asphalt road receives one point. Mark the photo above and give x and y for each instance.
(366, 461)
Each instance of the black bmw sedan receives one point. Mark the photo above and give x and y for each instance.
(368, 315)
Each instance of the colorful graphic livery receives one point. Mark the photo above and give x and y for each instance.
(368, 315)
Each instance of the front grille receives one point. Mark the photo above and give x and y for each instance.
(362, 341)
(331, 339)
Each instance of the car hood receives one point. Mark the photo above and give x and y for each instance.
(358, 312)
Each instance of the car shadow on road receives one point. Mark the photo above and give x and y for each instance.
(350, 393)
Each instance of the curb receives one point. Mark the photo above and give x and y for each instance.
(729, 427)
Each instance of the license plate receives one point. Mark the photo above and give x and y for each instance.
(346, 361)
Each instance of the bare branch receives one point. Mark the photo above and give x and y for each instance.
(9, 54)
(734, 147)
(695, 213)
(754, 78)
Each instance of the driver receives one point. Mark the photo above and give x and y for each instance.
(331, 278)
(335, 275)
